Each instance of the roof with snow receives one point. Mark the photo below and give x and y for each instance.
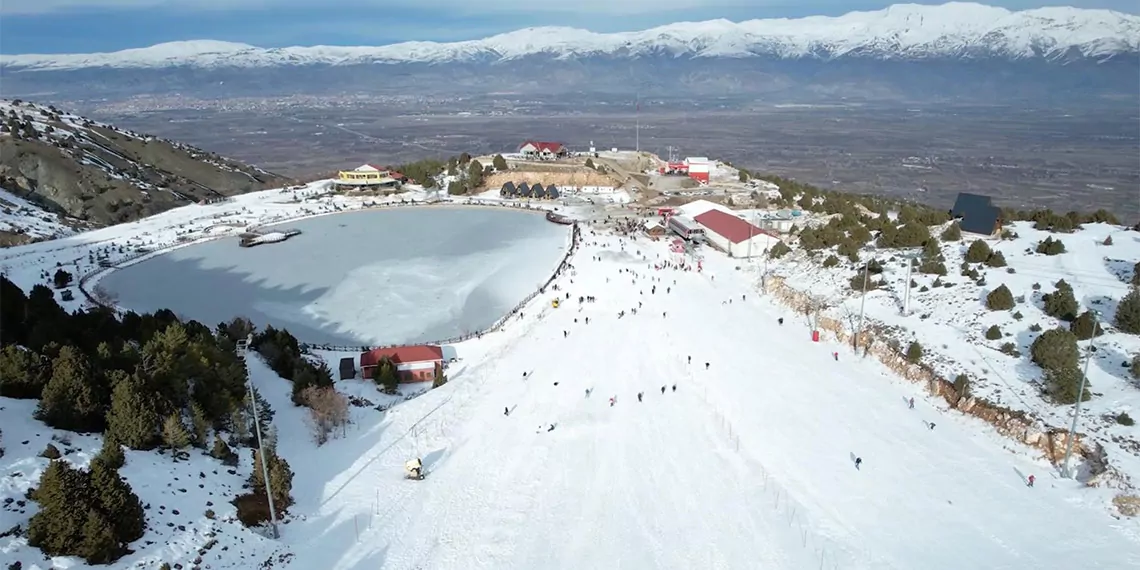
(731, 227)
(694, 209)
(543, 146)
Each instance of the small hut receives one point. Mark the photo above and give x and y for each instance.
(552, 192)
(508, 190)
(347, 368)
(524, 190)
(537, 191)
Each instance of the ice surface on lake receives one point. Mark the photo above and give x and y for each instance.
(372, 277)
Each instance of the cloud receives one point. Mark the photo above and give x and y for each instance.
(596, 7)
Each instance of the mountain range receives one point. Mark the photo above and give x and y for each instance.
(954, 51)
(905, 31)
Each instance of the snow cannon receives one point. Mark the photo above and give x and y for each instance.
(414, 469)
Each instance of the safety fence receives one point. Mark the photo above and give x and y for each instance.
(495, 327)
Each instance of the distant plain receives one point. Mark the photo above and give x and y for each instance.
(1063, 158)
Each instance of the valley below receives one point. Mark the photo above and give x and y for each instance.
(1023, 156)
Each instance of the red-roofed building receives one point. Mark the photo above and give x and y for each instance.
(543, 150)
(735, 236)
(413, 363)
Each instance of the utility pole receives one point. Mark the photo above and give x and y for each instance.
(862, 304)
(906, 288)
(1080, 396)
(260, 446)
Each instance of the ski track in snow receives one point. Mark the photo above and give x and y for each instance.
(747, 465)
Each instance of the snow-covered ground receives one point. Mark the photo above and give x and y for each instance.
(950, 322)
(749, 463)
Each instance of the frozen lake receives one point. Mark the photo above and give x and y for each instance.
(373, 277)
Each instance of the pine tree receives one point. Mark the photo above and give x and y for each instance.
(22, 373)
(118, 502)
(1061, 303)
(239, 427)
(133, 419)
(98, 544)
(222, 452)
(280, 478)
(174, 433)
(499, 163)
(1127, 316)
(71, 399)
(978, 252)
(953, 232)
(111, 454)
(914, 352)
(200, 426)
(57, 529)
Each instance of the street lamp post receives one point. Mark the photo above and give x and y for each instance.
(1080, 396)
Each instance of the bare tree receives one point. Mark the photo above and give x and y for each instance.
(328, 412)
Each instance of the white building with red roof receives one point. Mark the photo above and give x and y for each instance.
(543, 150)
(735, 235)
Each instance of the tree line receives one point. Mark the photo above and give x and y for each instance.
(143, 381)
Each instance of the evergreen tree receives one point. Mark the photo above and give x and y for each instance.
(57, 529)
(222, 452)
(1000, 299)
(1061, 303)
(98, 544)
(1127, 317)
(117, 501)
(174, 434)
(133, 419)
(72, 400)
(386, 375)
(280, 478)
(978, 252)
(1085, 325)
(499, 163)
(914, 352)
(111, 453)
(953, 232)
(199, 425)
(23, 373)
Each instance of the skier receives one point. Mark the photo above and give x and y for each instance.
(742, 297)
(912, 403)
(587, 392)
(706, 366)
(931, 425)
(690, 360)
(662, 389)
(506, 411)
(835, 355)
(1031, 480)
(611, 401)
(858, 462)
(674, 387)
(663, 313)
(565, 334)
(780, 320)
(639, 395)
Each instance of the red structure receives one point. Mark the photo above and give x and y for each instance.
(542, 149)
(413, 363)
(730, 227)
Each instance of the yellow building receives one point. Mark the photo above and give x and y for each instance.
(365, 176)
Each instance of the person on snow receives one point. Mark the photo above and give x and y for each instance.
(506, 411)
(674, 387)
(662, 389)
(835, 355)
(911, 403)
(931, 425)
(706, 366)
(780, 320)
(858, 462)
(611, 401)
(587, 392)
(690, 360)
(663, 314)
(565, 334)
(639, 395)
(742, 297)
(1031, 480)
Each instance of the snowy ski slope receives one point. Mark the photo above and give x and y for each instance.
(749, 464)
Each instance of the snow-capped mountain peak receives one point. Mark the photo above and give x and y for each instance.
(901, 31)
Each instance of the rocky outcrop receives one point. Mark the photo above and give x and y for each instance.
(1016, 425)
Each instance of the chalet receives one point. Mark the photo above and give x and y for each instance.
(368, 177)
(654, 228)
(418, 363)
(976, 214)
(552, 192)
(524, 190)
(537, 191)
(509, 190)
(542, 150)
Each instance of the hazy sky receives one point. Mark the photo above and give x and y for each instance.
(79, 26)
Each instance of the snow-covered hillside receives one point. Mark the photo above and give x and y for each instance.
(22, 218)
(902, 31)
(749, 463)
